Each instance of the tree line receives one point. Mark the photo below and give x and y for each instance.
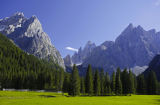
(100, 84)
(20, 70)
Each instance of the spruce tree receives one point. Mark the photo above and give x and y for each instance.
(97, 89)
(141, 85)
(89, 81)
(61, 79)
(75, 82)
(152, 83)
(118, 82)
(107, 87)
(82, 90)
(66, 83)
(102, 82)
(131, 83)
(124, 78)
(113, 83)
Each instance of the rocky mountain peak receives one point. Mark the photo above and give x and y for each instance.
(19, 14)
(128, 28)
(68, 61)
(28, 34)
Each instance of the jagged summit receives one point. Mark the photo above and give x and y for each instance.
(82, 53)
(19, 14)
(28, 34)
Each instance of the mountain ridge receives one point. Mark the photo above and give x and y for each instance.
(28, 34)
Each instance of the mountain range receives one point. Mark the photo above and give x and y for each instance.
(134, 48)
(28, 34)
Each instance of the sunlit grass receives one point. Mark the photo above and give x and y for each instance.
(48, 98)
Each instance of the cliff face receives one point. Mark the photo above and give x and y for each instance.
(133, 47)
(30, 37)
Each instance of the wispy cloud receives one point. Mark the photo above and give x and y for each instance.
(157, 3)
(72, 49)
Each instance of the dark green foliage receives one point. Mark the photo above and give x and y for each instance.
(125, 81)
(102, 82)
(82, 90)
(131, 87)
(89, 81)
(75, 82)
(141, 84)
(113, 83)
(66, 83)
(20, 70)
(97, 89)
(152, 84)
(107, 88)
(118, 87)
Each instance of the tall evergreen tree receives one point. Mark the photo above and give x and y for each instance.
(61, 79)
(107, 88)
(131, 83)
(66, 83)
(152, 83)
(118, 82)
(102, 82)
(113, 83)
(141, 85)
(124, 78)
(89, 81)
(82, 90)
(75, 82)
(97, 89)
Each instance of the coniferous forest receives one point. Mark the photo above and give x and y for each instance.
(20, 70)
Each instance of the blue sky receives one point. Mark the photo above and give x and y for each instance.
(71, 23)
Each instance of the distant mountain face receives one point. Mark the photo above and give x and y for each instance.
(68, 61)
(133, 47)
(79, 56)
(30, 37)
(154, 65)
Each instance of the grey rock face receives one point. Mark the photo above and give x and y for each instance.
(79, 57)
(68, 61)
(30, 37)
(134, 47)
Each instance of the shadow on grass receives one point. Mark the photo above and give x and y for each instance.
(47, 96)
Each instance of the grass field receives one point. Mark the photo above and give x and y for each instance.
(48, 98)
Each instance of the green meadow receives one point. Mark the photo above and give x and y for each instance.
(49, 98)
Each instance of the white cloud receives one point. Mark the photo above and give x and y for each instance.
(157, 3)
(71, 49)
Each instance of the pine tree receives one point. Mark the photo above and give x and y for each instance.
(66, 83)
(152, 83)
(141, 85)
(61, 79)
(82, 90)
(124, 78)
(75, 82)
(102, 82)
(131, 83)
(57, 79)
(113, 83)
(97, 89)
(118, 82)
(107, 87)
(89, 81)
